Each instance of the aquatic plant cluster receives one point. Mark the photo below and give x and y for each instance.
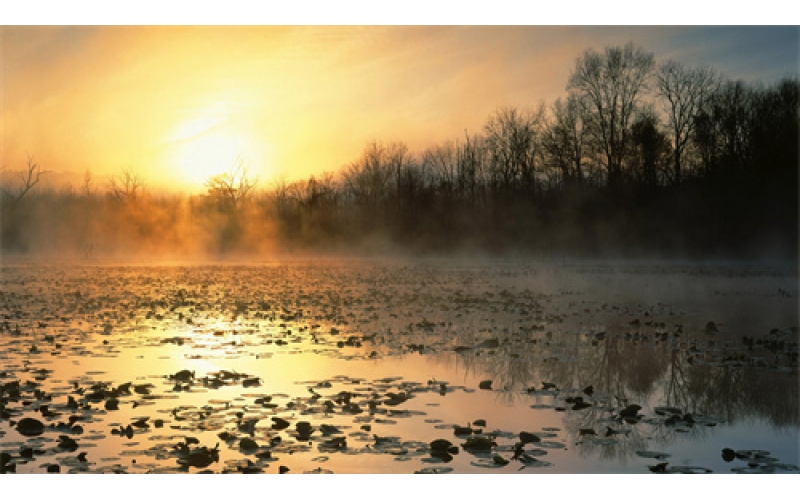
(351, 367)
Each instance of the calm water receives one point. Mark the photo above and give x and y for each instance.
(361, 366)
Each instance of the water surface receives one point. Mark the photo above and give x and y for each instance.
(364, 366)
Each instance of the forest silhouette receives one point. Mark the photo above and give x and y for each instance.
(639, 158)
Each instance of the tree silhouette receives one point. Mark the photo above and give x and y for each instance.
(610, 87)
(565, 140)
(649, 148)
(685, 91)
(126, 187)
(29, 178)
(512, 140)
(231, 189)
(230, 192)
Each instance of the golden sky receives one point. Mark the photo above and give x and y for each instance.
(179, 104)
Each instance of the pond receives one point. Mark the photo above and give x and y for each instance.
(375, 366)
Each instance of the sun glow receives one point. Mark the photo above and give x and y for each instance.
(210, 143)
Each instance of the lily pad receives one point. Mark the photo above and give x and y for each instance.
(199, 459)
(478, 443)
(329, 429)
(67, 443)
(462, 431)
(530, 461)
(554, 445)
(439, 457)
(441, 445)
(658, 455)
(30, 427)
(337, 443)
(247, 444)
(687, 469)
(528, 437)
(664, 410)
(279, 423)
(631, 411)
(434, 470)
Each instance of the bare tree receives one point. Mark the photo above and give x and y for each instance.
(396, 160)
(443, 162)
(28, 179)
(87, 189)
(310, 194)
(610, 86)
(565, 140)
(232, 188)
(686, 90)
(368, 180)
(279, 196)
(126, 187)
(649, 149)
(512, 138)
(471, 167)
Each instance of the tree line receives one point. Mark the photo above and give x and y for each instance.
(638, 157)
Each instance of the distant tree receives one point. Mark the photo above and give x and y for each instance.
(565, 140)
(722, 129)
(442, 161)
(314, 197)
(28, 179)
(513, 146)
(230, 193)
(774, 131)
(126, 187)
(649, 148)
(685, 92)
(372, 183)
(471, 167)
(610, 86)
(415, 190)
(87, 188)
(278, 198)
(396, 159)
(231, 189)
(16, 218)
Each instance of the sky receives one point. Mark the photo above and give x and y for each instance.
(179, 104)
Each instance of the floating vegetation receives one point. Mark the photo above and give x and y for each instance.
(665, 468)
(478, 443)
(652, 454)
(528, 459)
(176, 370)
(435, 470)
(30, 427)
(529, 437)
(199, 457)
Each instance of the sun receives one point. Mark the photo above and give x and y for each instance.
(208, 155)
(209, 144)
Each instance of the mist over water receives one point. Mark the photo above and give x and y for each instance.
(686, 164)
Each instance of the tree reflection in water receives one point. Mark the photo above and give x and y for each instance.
(654, 366)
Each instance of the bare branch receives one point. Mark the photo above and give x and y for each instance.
(28, 179)
(232, 188)
(126, 187)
